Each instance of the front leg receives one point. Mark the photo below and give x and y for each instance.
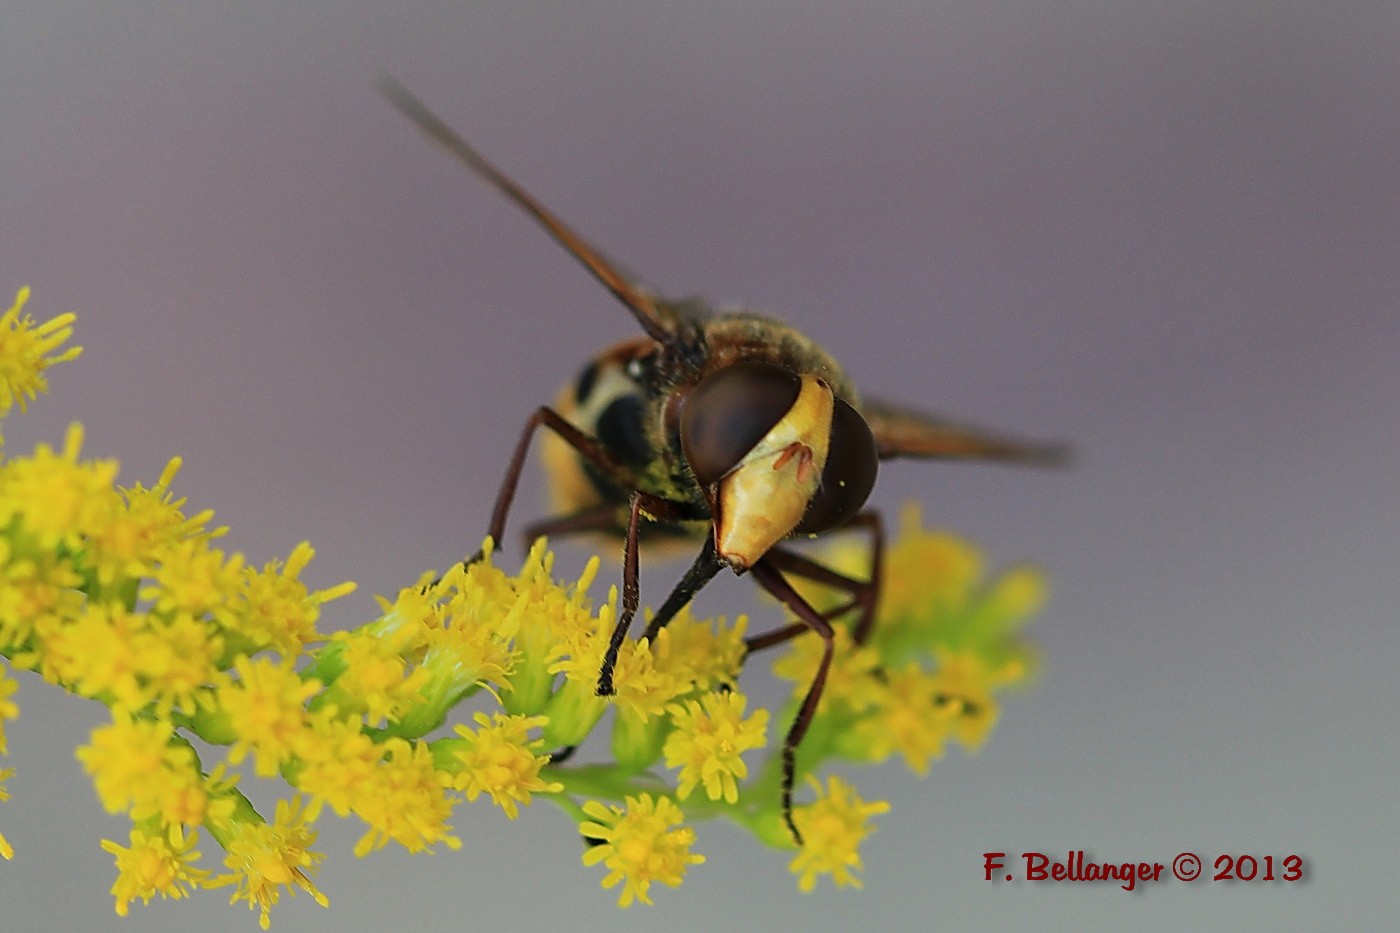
(589, 448)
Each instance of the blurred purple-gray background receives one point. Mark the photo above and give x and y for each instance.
(1167, 232)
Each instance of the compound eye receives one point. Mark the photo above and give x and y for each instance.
(730, 411)
(849, 474)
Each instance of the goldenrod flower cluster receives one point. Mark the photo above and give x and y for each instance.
(470, 685)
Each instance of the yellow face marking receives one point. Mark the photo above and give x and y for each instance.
(765, 496)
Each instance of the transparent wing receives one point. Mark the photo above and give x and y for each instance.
(903, 432)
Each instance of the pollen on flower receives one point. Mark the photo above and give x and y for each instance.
(56, 497)
(135, 766)
(338, 760)
(276, 610)
(9, 709)
(101, 654)
(377, 680)
(500, 759)
(196, 579)
(158, 862)
(38, 594)
(963, 682)
(702, 652)
(646, 842)
(134, 538)
(27, 349)
(709, 738)
(7, 851)
(266, 709)
(911, 717)
(405, 801)
(832, 828)
(265, 858)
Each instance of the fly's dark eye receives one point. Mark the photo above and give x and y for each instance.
(730, 411)
(849, 474)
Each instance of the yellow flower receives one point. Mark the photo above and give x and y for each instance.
(832, 828)
(130, 659)
(26, 350)
(458, 658)
(465, 655)
(9, 709)
(196, 579)
(710, 737)
(509, 630)
(701, 652)
(338, 760)
(498, 758)
(191, 799)
(926, 568)
(643, 688)
(529, 607)
(6, 850)
(928, 575)
(376, 680)
(266, 858)
(416, 609)
(119, 596)
(157, 862)
(99, 654)
(135, 766)
(639, 845)
(406, 801)
(1018, 594)
(911, 717)
(266, 710)
(963, 682)
(133, 539)
(38, 594)
(57, 498)
(276, 609)
(177, 662)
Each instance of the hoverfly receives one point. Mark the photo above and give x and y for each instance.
(730, 427)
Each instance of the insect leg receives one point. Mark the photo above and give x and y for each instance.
(775, 637)
(587, 446)
(772, 580)
(601, 517)
(707, 564)
(630, 598)
(864, 593)
(875, 525)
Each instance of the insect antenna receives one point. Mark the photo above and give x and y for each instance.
(658, 324)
